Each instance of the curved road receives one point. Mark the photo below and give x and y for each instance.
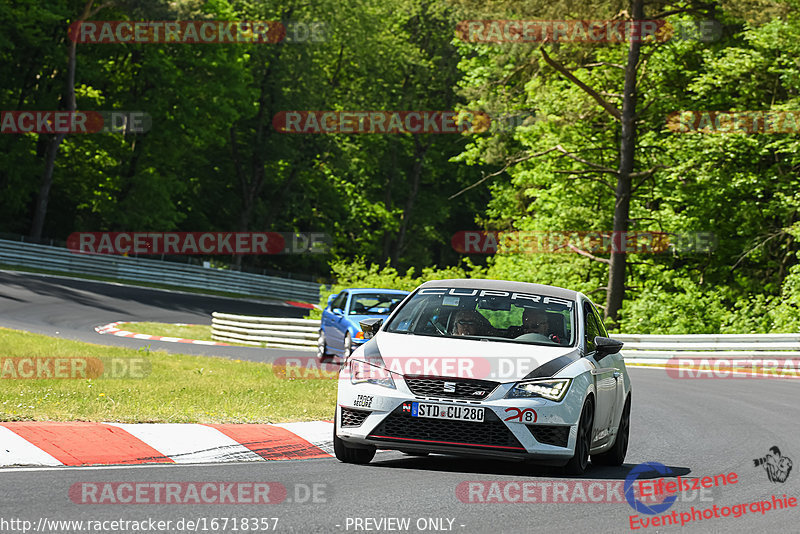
(695, 427)
(71, 308)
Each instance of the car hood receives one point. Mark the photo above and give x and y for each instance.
(353, 320)
(467, 358)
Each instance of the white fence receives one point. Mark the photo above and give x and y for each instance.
(155, 271)
(269, 331)
(658, 350)
(639, 349)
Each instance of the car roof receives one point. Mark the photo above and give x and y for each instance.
(505, 285)
(376, 289)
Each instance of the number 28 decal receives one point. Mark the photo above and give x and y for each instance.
(528, 415)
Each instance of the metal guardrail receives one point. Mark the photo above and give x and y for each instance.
(639, 348)
(660, 349)
(154, 271)
(265, 331)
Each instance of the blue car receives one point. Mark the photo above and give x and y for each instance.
(339, 331)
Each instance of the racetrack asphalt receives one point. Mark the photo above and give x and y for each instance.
(695, 427)
(70, 308)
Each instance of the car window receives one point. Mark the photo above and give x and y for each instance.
(339, 301)
(373, 303)
(599, 317)
(487, 314)
(592, 328)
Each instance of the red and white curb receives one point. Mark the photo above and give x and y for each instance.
(83, 443)
(304, 305)
(111, 328)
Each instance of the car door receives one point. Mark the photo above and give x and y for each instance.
(333, 323)
(326, 320)
(327, 315)
(616, 361)
(604, 376)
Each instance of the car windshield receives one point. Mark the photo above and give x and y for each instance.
(487, 314)
(374, 303)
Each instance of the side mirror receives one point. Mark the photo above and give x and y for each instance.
(370, 326)
(337, 311)
(606, 346)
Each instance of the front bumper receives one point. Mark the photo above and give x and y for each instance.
(369, 414)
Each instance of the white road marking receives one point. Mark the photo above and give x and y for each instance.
(319, 433)
(14, 450)
(190, 443)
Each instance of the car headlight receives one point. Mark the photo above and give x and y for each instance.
(551, 389)
(371, 372)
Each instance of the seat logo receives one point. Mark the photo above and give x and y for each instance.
(449, 387)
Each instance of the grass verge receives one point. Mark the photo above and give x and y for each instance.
(177, 388)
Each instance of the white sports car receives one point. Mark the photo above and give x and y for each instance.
(487, 367)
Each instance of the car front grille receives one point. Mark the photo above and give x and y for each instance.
(450, 388)
(557, 435)
(492, 433)
(353, 418)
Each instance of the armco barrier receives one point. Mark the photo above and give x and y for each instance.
(162, 272)
(639, 348)
(271, 331)
(659, 349)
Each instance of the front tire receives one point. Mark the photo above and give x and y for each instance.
(580, 460)
(616, 454)
(350, 455)
(348, 346)
(322, 347)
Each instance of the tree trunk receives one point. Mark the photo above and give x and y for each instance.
(387, 198)
(616, 272)
(37, 225)
(44, 189)
(419, 160)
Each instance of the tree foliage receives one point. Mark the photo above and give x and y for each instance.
(391, 203)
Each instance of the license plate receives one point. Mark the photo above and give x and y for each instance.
(444, 411)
